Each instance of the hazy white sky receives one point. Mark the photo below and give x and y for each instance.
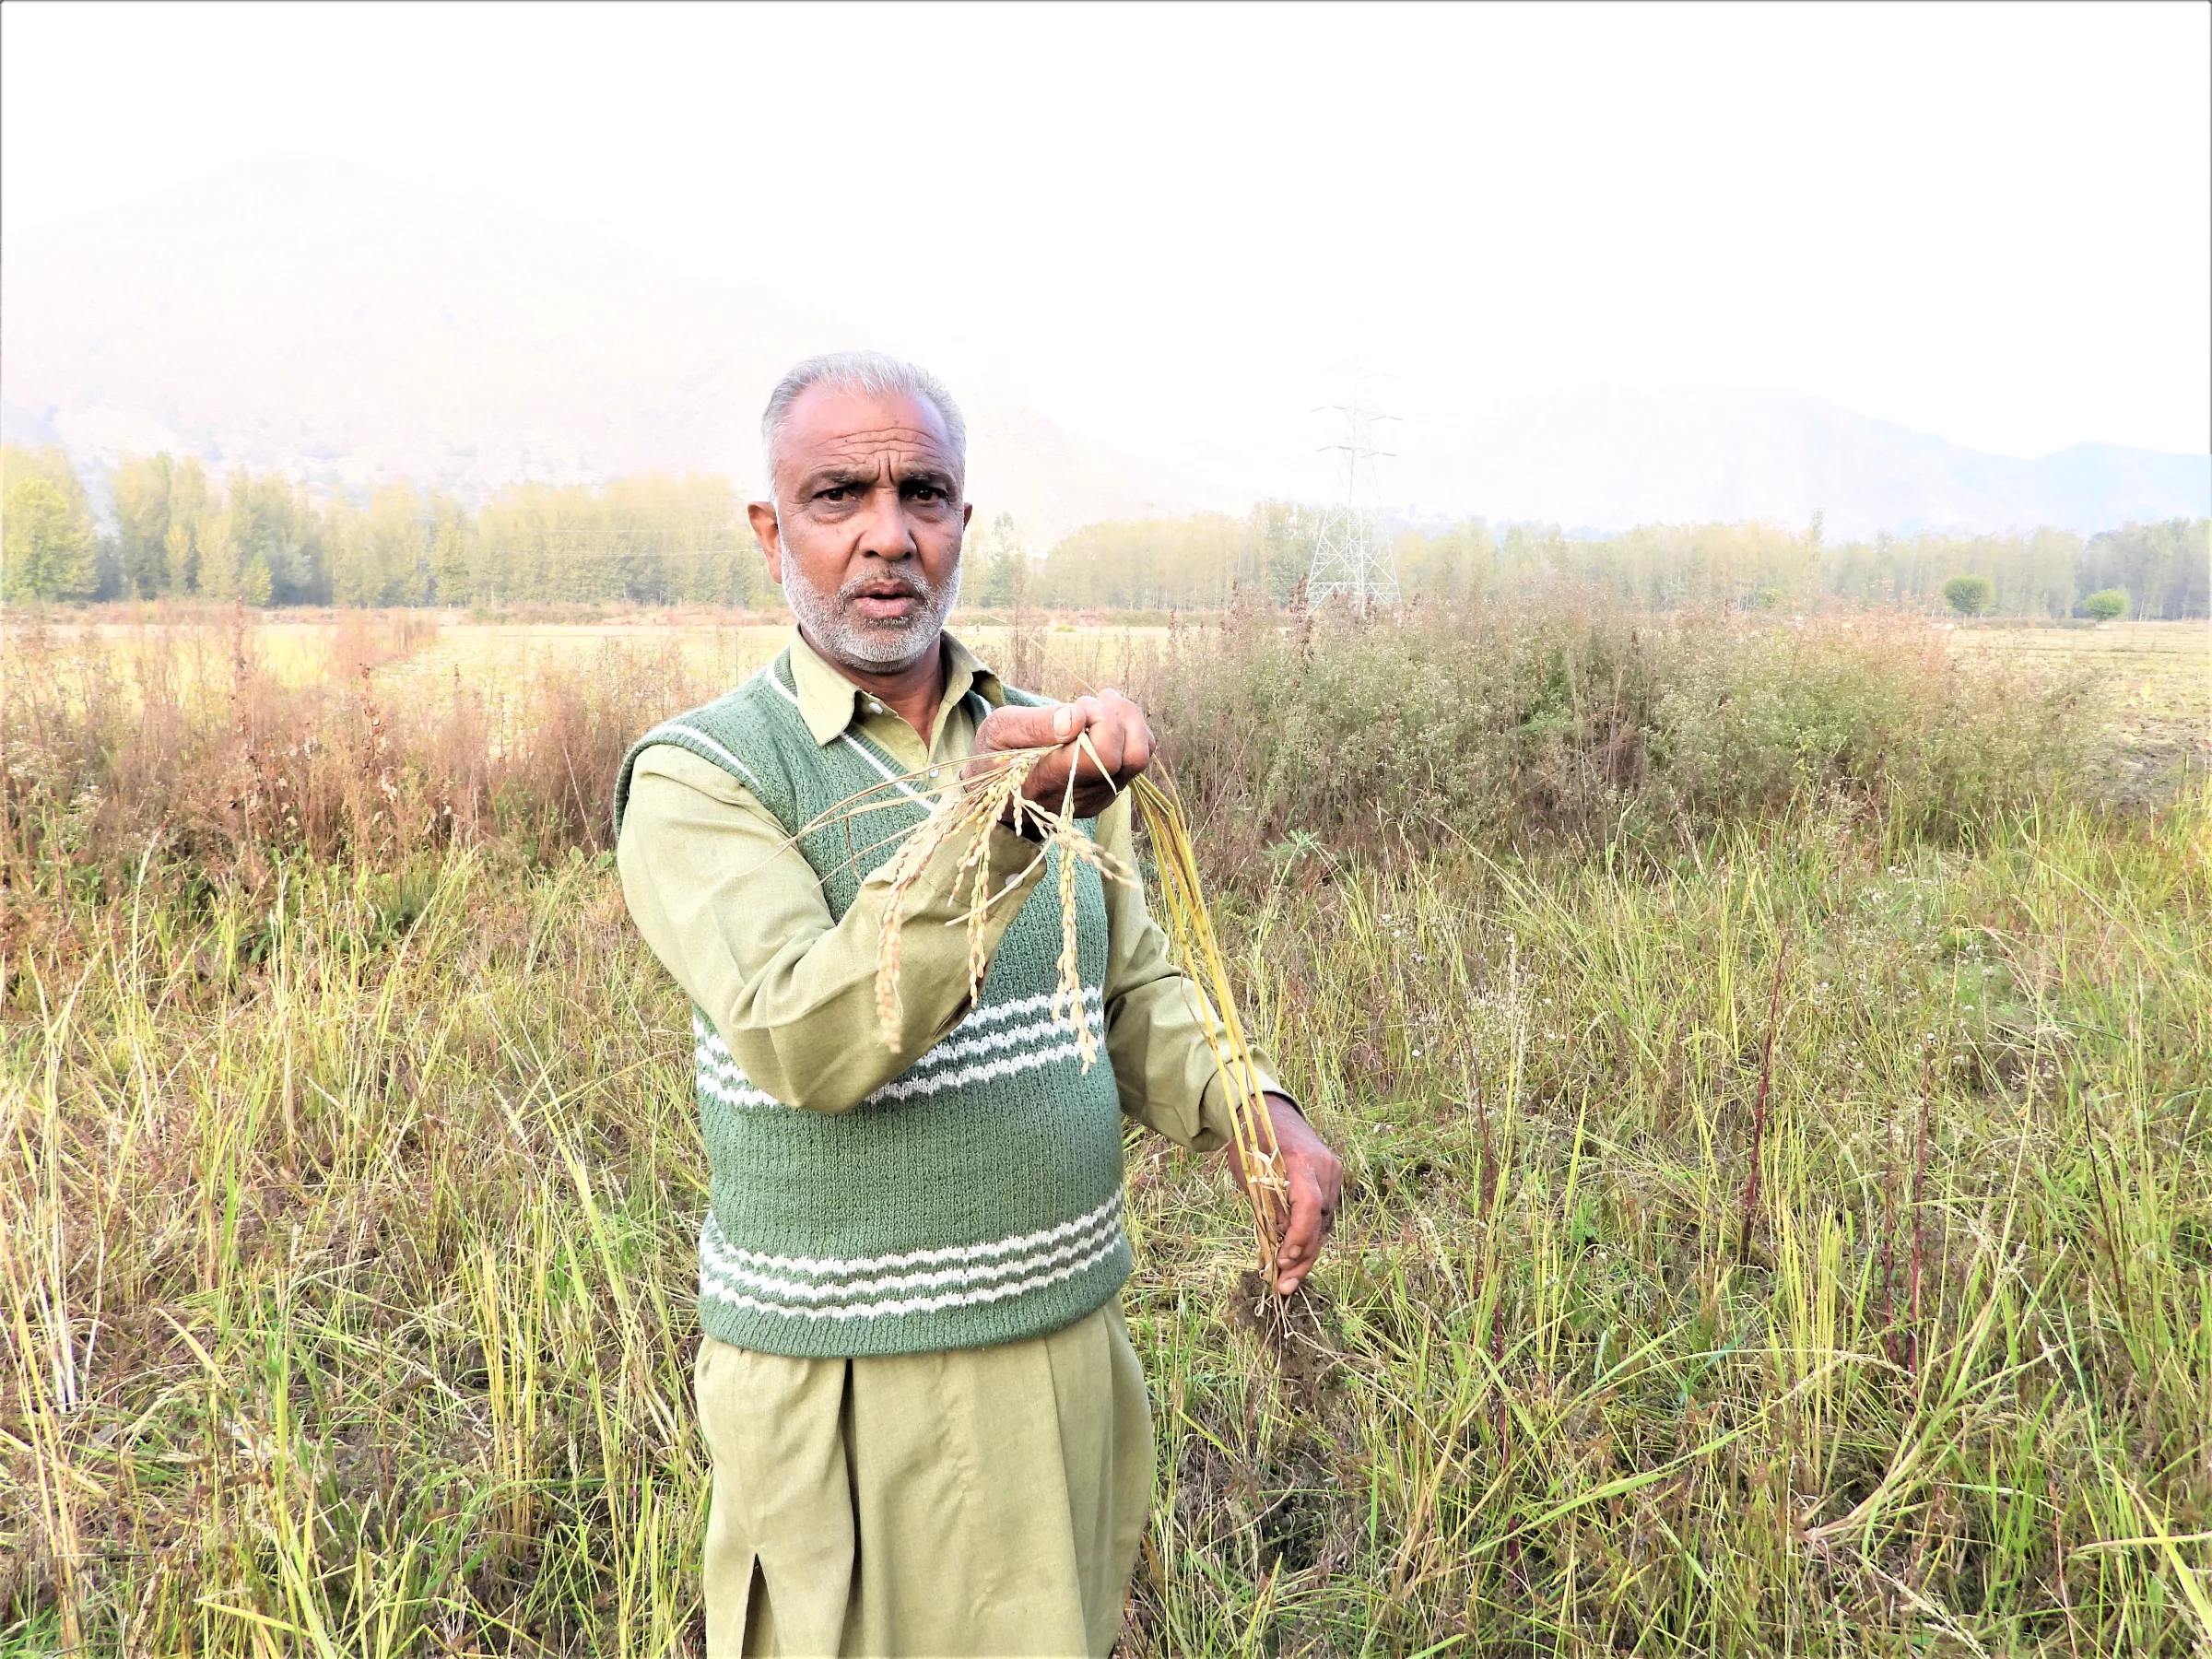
(1990, 222)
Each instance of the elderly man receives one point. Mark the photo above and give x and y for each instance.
(929, 1431)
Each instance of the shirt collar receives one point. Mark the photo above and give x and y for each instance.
(830, 703)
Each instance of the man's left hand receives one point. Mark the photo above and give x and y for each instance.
(1316, 1181)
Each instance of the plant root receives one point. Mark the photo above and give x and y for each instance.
(1290, 1328)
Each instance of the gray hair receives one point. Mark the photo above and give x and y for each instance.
(876, 373)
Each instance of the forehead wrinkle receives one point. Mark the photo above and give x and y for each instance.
(900, 433)
(879, 455)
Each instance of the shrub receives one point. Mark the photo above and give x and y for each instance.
(1576, 723)
(1969, 595)
(2104, 605)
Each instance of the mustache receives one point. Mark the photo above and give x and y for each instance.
(886, 587)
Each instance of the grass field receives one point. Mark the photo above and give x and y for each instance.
(1778, 1123)
(2160, 675)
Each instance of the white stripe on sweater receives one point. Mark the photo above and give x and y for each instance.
(667, 729)
(1107, 1214)
(1092, 999)
(731, 1075)
(719, 1262)
(703, 1031)
(720, 1075)
(891, 777)
(916, 1304)
(747, 1098)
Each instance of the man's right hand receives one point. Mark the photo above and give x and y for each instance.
(1117, 731)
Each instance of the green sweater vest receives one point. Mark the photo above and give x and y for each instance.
(974, 1199)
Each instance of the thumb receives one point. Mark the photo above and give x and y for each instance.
(1014, 728)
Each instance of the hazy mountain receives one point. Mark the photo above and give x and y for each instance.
(378, 338)
(315, 323)
(1610, 460)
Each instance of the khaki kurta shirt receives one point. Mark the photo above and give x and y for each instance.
(979, 1500)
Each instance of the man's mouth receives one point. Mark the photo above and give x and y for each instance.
(886, 601)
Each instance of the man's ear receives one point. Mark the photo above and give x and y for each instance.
(967, 515)
(770, 536)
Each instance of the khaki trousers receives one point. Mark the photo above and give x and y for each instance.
(986, 1500)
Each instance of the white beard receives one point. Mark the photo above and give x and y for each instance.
(863, 641)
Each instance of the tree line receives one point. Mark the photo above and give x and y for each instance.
(2165, 569)
(170, 526)
(173, 529)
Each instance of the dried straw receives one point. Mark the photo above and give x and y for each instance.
(964, 808)
(1190, 927)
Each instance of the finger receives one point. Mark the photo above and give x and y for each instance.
(1301, 1239)
(1136, 742)
(1134, 735)
(1105, 733)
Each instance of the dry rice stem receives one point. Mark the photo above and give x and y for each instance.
(1190, 927)
(966, 807)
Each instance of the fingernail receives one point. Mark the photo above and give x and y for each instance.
(1064, 722)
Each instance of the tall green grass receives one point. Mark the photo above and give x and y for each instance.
(350, 1193)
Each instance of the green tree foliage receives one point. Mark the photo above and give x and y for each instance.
(277, 533)
(2166, 567)
(1188, 564)
(53, 550)
(47, 461)
(2104, 605)
(679, 539)
(1193, 561)
(654, 538)
(140, 487)
(186, 526)
(1969, 595)
(1459, 564)
(49, 545)
(998, 566)
(217, 553)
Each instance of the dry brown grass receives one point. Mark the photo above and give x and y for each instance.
(177, 740)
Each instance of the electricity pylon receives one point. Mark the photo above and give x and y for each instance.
(1352, 560)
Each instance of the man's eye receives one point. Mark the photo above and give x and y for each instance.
(836, 492)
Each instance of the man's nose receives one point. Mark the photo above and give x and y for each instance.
(885, 533)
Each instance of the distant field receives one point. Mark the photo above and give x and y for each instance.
(299, 649)
(2164, 666)
(2158, 674)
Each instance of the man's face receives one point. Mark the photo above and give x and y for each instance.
(864, 530)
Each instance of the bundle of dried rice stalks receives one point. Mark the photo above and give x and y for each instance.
(966, 809)
(963, 810)
(1190, 927)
